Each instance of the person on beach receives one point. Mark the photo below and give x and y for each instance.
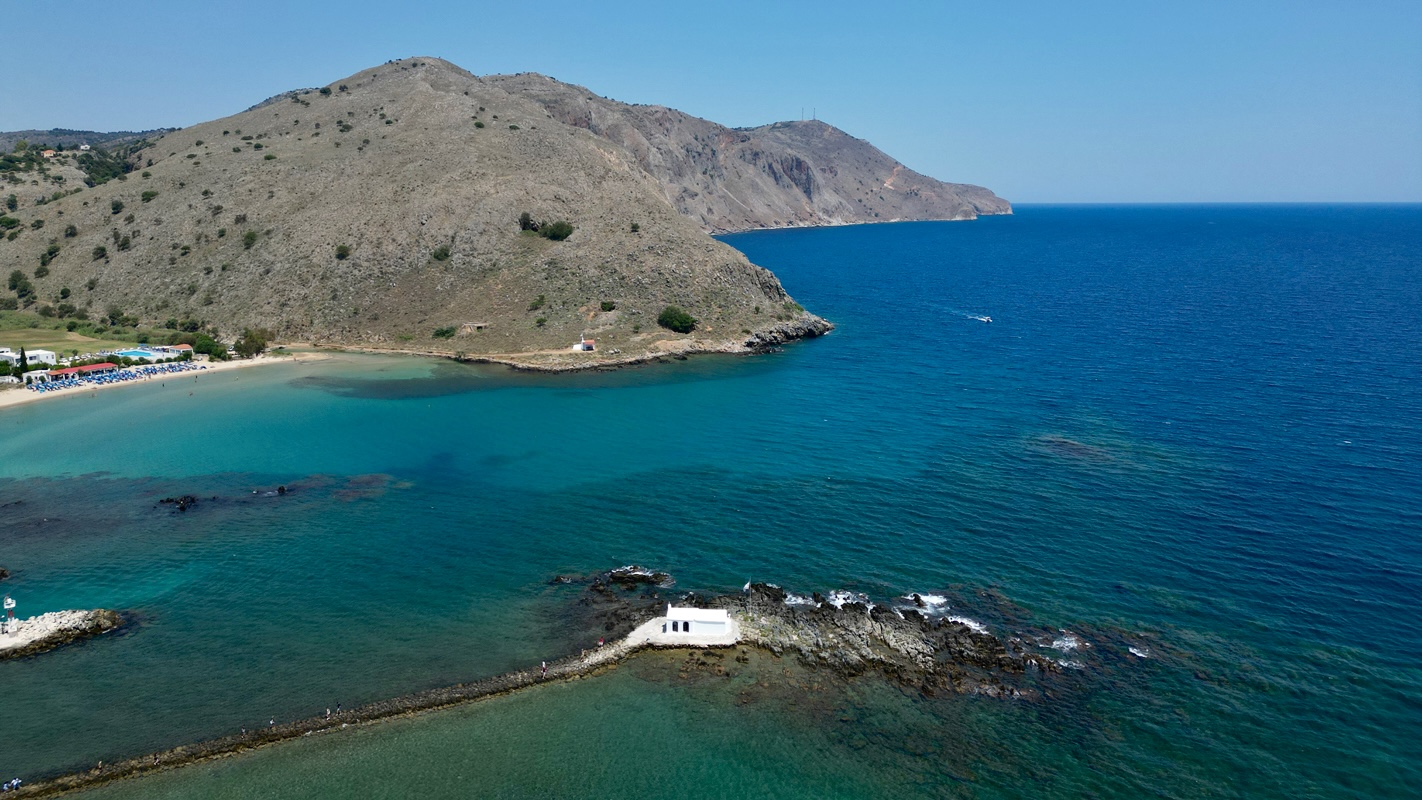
(545, 669)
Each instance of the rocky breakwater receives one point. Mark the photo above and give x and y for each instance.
(905, 643)
(48, 631)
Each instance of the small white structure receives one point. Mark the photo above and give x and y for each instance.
(41, 357)
(696, 621)
(84, 148)
(585, 346)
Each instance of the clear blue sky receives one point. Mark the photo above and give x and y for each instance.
(1135, 101)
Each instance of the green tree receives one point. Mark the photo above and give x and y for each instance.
(116, 206)
(608, 305)
(525, 222)
(343, 251)
(148, 196)
(252, 342)
(70, 232)
(12, 202)
(98, 253)
(556, 231)
(676, 319)
(248, 239)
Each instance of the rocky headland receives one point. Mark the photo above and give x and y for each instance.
(48, 631)
(416, 207)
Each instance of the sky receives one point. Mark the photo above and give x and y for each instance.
(1046, 102)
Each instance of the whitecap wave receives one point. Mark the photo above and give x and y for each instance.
(1066, 642)
(839, 597)
(1140, 652)
(799, 600)
(973, 625)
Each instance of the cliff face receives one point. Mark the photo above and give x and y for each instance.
(783, 174)
(383, 210)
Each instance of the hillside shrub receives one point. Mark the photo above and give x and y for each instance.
(116, 207)
(248, 239)
(675, 319)
(325, 90)
(441, 253)
(444, 333)
(608, 305)
(148, 196)
(541, 321)
(478, 124)
(12, 202)
(41, 271)
(536, 304)
(556, 231)
(70, 232)
(7, 223)
(98, 253)
(269, 157)
(636, 228)
(37, 224)
(343, 251)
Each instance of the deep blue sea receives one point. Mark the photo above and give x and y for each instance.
(1201, 425)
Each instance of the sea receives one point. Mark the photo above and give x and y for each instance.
(1199, 426)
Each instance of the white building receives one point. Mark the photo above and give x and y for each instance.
(696, 621)
(41, 357)
(12, 357)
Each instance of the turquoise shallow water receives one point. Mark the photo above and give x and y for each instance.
(1194, 424)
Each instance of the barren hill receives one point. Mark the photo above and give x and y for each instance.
(778, 175)
(383, 210)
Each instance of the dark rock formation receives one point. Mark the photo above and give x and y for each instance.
(180, 503)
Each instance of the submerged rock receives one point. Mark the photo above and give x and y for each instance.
(48, 631)
(632, 576)
(4, 573)
(181, 503)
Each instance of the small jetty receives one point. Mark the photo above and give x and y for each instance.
(694, 628)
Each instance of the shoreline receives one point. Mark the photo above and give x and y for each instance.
(558, 361)
(21, 396)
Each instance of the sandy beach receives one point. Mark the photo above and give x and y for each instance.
(20, 396)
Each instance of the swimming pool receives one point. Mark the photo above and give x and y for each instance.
(148, 354)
